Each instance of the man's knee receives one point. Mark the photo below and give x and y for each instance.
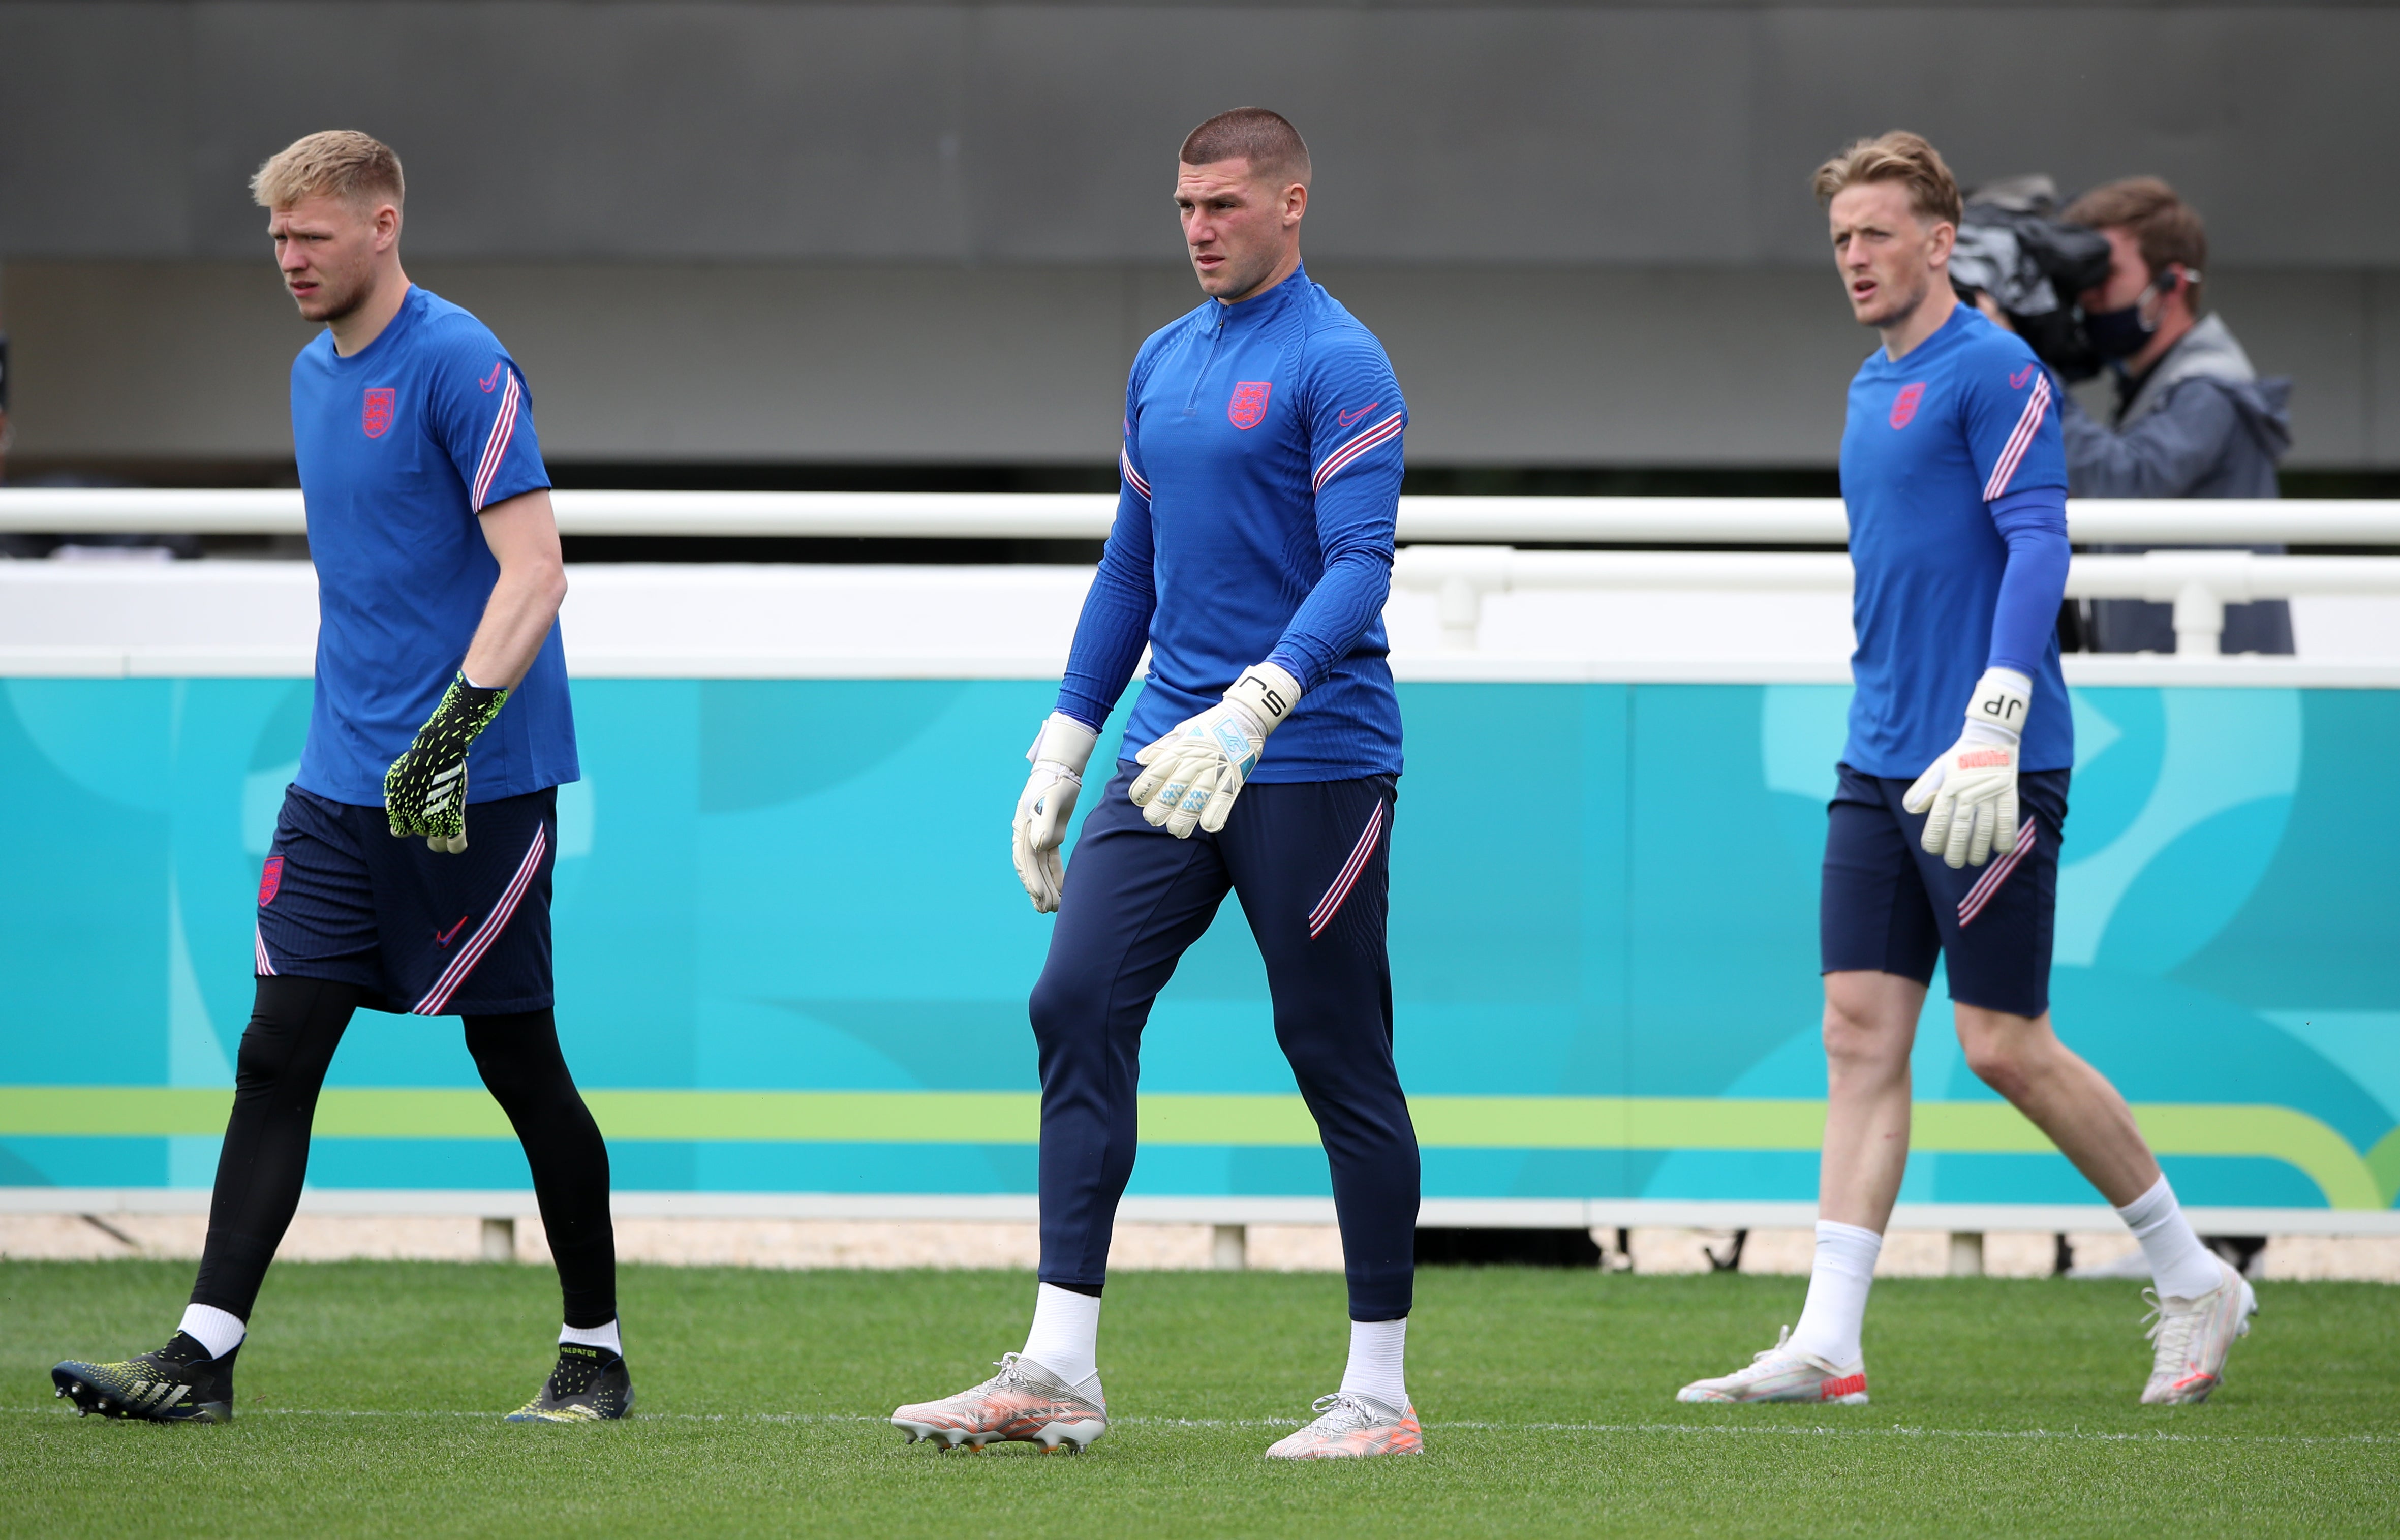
(1068, 1005)
(518, 1055)
(2002, 1050)
(1864, 1030)
(294, 1023)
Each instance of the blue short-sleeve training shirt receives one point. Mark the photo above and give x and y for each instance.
(400, 446)
(1934, 438)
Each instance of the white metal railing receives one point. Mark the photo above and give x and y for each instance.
(1628, 521)
(2199, 583)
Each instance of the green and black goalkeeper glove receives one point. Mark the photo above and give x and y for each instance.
(425, 791)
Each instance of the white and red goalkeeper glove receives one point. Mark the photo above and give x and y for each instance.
(1971, 790)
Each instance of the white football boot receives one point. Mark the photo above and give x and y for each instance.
(2193, 1338)
(1349, 1426)
(1780, 1374)
(1024, 1401)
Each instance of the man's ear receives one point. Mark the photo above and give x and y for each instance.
(1944, 239)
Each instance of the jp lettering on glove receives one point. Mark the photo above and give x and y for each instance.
(1191, 777)
(425, 791)
(1059, 753)
(1970, 795)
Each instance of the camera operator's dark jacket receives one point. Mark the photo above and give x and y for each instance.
(2201, 424)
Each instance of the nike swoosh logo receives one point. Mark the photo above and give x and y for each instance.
(443, 938)
(2017, 381)
(491, 381)
(1346, 419)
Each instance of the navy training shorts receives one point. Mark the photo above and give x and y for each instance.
(422, 933)
(1891, 905)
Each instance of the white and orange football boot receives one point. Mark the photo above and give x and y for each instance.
(2194, 1337)
(1349, 1426)
(1024, 1402)
(1780, 1374)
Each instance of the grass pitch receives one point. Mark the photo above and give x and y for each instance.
(369, 1402)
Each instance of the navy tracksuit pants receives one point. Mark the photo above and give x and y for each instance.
(1310, 862)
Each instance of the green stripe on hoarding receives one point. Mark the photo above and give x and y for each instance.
(1013, 1117)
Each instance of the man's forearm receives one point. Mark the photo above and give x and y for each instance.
(1346, 600)
(516, 622)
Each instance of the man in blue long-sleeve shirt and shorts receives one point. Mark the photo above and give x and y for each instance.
(1253, 554)
(1943, 838)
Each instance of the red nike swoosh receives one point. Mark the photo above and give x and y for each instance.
(1346, 419)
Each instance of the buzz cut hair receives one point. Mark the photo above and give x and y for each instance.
(356, 168)
(1907, 158)
(1265, 139)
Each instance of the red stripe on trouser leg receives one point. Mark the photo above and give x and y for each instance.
(1331, 905)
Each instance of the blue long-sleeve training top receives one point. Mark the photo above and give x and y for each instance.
(1260, 482)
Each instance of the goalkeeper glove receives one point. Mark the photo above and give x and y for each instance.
(1972, 788)
(1192, 775)
(1059, 753)
(425, 791)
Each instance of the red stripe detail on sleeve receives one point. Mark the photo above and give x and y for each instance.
(496, 447)
(2012, 453)
(1341, 460)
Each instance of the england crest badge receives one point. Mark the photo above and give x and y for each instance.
(1249, 407)
(380, 408)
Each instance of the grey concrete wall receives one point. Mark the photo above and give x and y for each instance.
(1521, 367)
(874, 231)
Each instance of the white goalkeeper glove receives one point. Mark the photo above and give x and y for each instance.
(1972, 788)
(1059, 753)
(1192, 775)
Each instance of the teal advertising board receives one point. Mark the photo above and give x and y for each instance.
(792, 957)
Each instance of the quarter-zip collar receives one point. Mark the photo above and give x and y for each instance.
(1234, 320)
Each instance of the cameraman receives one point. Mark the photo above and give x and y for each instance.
(2194, 419)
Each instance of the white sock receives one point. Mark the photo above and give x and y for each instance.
(2179, 1262)
(595, 1336)
(1376, 1348)
(1837, 1311)
(218, 1331)
(1066, 1335)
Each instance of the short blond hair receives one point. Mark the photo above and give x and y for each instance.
(1900, 157)
(341, 162)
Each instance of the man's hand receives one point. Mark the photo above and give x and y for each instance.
(1972, 788)
(425, 791)
(1192, 775)
(1059, 753)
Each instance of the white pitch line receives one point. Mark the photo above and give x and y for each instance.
(1702, 1429)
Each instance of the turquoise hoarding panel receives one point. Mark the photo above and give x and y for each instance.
(1604, 928)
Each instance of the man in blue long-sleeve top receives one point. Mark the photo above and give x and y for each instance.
(1942, 838)
(1253, 554)
(2193, 419)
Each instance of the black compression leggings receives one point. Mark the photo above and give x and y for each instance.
(294, 1030)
